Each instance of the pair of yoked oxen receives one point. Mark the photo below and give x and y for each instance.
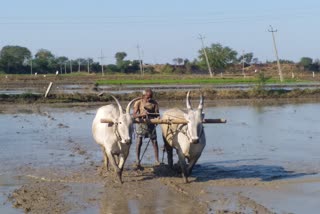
(115, 138)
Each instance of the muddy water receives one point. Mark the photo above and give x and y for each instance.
(265, 159)
(115, 89)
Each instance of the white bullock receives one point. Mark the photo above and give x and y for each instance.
(188, 139)
(114, 139)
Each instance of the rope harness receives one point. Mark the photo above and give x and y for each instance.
(116, 132)
(182, 130)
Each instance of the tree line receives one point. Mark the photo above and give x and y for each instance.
(19, 60)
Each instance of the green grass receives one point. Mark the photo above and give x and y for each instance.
(208, 80)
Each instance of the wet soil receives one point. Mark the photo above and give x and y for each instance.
(50, 164)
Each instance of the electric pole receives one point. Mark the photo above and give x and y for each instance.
(79, 65)
(244, 75)
(101, 59)
(65, 67)
(70, 66)
(271, 30)
(31, 65)
(88, 65)
(140, 61)
(205, 55)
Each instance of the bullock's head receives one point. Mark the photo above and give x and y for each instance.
(123, 127)
(194, 118)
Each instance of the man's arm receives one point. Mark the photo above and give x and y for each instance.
(156, 110)
(136, 111)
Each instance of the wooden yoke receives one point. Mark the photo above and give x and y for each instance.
(168, 121)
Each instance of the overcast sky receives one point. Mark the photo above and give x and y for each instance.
(164, 29)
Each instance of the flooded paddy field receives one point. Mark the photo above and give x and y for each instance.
(265, 159)
(61, 88)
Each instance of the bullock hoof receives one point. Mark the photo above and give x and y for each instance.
(185, 179)
(119, 174)
(157, 163)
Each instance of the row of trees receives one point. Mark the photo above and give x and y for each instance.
(17, 59)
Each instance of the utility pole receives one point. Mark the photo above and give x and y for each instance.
(140, 61)
(271, 30)
(79, 67)
(205, 55)
(31, 65)
(70, 66)
(101, 60)
(88, 65)
(65, 67)
(244, 75)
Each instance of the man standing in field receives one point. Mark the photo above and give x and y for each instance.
(146, 108)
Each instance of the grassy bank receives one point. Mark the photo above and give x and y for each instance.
(134, 79)
(194, 80)
(210, 94)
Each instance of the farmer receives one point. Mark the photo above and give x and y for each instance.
(144, 109)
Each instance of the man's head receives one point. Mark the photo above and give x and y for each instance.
(147, 93)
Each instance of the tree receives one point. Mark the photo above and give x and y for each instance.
(14, 59)
(120, 57)
(220, 57)
(45, 61)
(177, 61)
(122, 65)
(61, 61)
(247, 57)
(134, 66)
(81, 62)
(255, 60)
(167, 69)
(306, 62)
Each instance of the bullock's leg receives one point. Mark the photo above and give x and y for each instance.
(192, 162)
(115, 166)
(122, 160)
(116, 158)
(183, 165)
(169, 151)
(105, 158)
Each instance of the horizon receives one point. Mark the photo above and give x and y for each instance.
(164, 30)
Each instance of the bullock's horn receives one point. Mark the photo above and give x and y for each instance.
(129, 105)
(201, 102)
(188, 101)
(117, 101)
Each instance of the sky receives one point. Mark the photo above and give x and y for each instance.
(164, 29)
